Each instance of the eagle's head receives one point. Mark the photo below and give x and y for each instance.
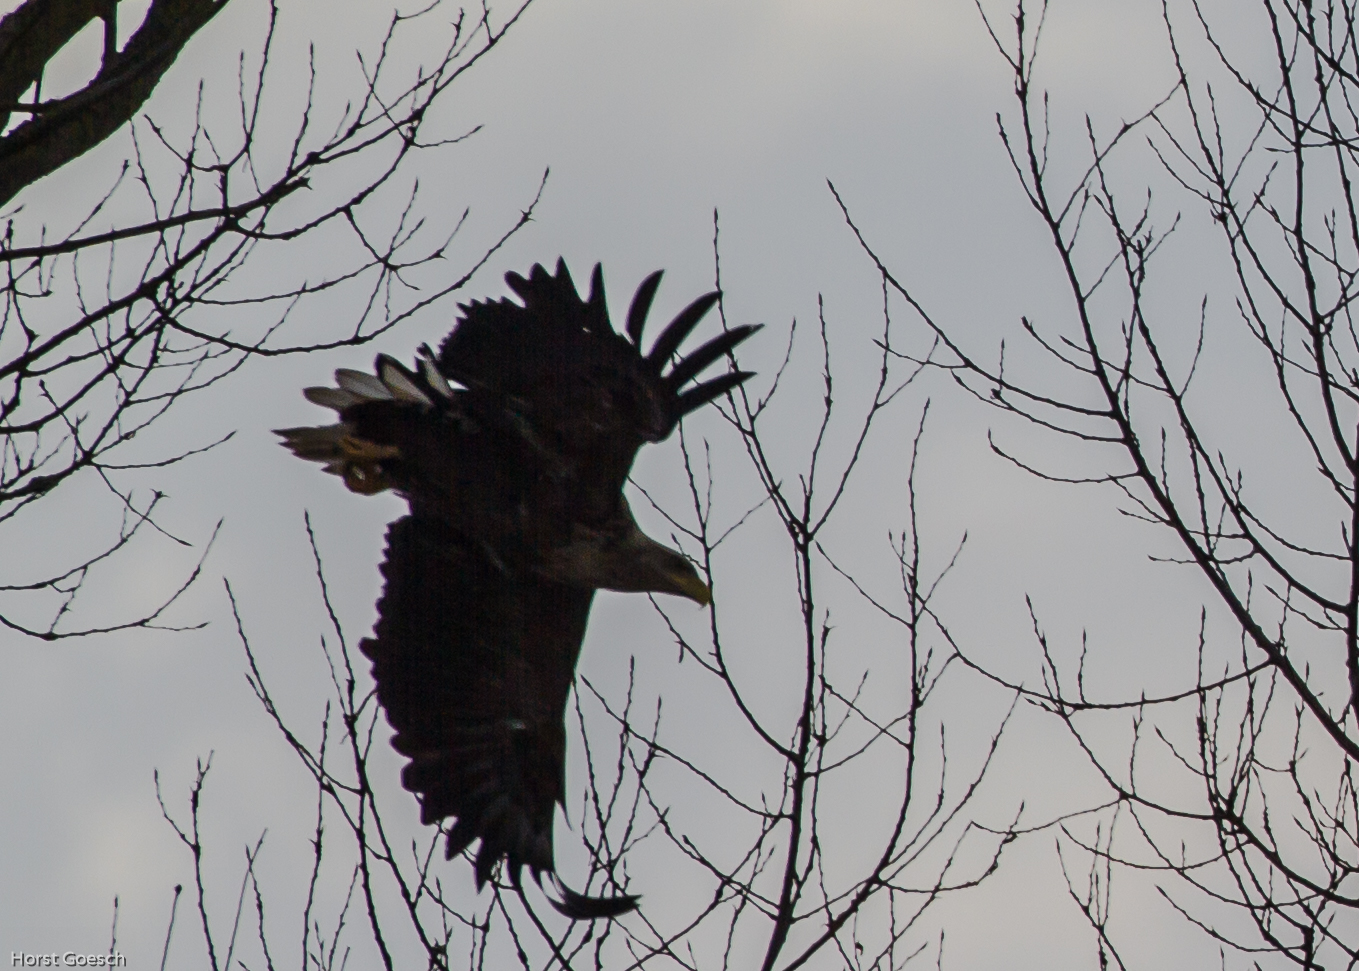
(619, 556)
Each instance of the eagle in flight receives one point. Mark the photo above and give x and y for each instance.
(511, 445)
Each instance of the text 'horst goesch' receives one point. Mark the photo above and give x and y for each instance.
(66, 959)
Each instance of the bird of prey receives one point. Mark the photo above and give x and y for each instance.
(512, 446)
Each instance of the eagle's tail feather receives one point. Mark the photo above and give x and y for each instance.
(355, 456)
(577, 906)
(316, 443)
(568, 903)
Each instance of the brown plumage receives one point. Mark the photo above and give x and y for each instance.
(512, 446)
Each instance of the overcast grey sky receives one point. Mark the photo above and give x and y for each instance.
(650, 115)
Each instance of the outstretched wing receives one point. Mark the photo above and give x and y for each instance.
(589, 391)
(473, 667)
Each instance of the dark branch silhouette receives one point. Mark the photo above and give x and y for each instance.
(1273, 833)
(106, 324)
(62, 129)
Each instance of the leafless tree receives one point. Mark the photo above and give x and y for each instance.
(827, 844)
(116, 316)
(62, 129)
(1148, 388)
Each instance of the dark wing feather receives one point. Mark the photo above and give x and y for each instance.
(473, 668)
(678, 329)
(698, 360)
(586, 389)
(641, 306)
(700, 395)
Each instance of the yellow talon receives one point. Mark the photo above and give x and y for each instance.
(362, 464)
(361, 450)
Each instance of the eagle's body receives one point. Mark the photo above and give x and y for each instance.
(512, 447)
